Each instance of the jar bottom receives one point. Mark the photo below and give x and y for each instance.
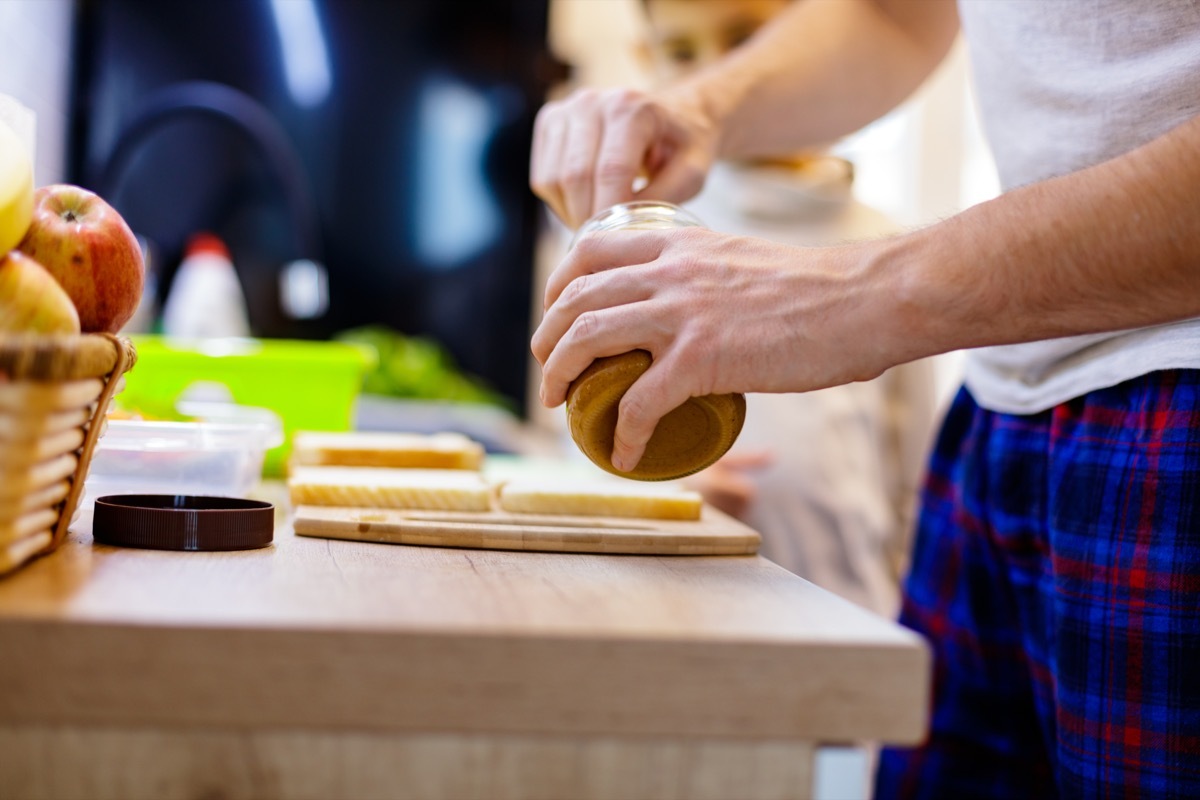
(686, 440)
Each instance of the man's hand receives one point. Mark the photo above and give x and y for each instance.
(589, 148)
(819, 70)
(718, 314)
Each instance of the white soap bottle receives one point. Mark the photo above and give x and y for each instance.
(206, 298)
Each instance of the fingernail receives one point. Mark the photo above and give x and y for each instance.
(618, 463)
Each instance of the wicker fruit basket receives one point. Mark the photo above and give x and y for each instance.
(54, 396)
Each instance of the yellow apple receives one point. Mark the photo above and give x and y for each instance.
(31, 301)
(90, 250)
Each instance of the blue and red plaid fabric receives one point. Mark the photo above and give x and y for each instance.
(1056, 573)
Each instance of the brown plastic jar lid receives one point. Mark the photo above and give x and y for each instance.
(686, 440)
(183, 522)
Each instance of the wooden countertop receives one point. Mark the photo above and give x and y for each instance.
(320, 634)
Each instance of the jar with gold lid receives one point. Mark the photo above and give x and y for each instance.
(688, 438)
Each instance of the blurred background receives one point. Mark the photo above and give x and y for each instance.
(365, 165)
(365, 162)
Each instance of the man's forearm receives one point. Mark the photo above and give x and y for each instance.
(822, 69)
(1111, 247)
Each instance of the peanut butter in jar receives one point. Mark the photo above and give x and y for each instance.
(686, 440)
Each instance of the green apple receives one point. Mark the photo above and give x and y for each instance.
(31, 301)
(90, 250)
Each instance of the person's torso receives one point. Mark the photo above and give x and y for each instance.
(1063, 85)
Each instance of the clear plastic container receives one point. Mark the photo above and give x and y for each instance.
(219, 455)
(311, 385)
(688, 438)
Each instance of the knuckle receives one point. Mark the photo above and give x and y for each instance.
(575, 291)
(613, 169)
(538, 347)
(627, 96)
(550, 119)
(693, 358)
(587, 247)
(585, 326)
(675, 270)
(632, 102)
(689, 236)
(628, 110)
(576, 172)
(587, 96)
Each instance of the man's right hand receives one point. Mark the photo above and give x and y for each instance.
(589, 148)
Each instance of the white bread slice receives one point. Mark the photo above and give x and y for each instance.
(375, 449)
(381, 487)
(601, 499)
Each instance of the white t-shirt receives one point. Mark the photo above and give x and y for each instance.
(1063, 85)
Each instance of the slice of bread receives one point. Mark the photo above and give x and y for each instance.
(373, 449)
(381, 487)
(601, 499)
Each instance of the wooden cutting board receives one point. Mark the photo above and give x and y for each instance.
(714, 533)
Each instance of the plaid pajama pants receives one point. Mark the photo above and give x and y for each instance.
(1056, 573)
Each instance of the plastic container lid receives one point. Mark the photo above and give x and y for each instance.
(311, 385)
(221, 453)
(221, 426)
(179, 522)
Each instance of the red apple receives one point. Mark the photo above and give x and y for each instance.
(31, 301)
(90, 250)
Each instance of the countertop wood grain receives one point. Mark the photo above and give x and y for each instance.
(316, 634)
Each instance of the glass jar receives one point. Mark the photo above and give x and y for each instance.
(688, 438)
(642, 215)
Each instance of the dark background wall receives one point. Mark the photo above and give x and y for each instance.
(395, 152)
